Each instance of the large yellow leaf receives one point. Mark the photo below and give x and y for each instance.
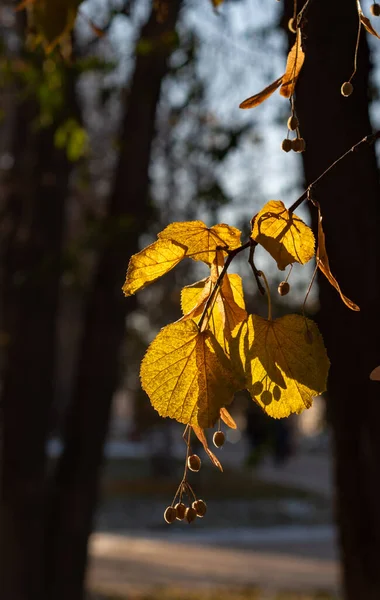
(324, 265)
(284, 361)
(261, 96)
(151, 263)
(187, 376)
(284, 235)
(294, 64)
(202, 241)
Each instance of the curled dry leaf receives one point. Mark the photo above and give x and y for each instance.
(151, 263)
(365, 21)
(187, 376)
(294, 64)
(199, 432)
(324, 266)
(283, 371)
(284, 235)
(227, 419)
(261, 96)
(201, 241)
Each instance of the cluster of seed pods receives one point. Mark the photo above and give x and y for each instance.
(196, 507)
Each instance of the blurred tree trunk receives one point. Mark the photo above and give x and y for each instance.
(31, 253)
(128, 212)
(349, 199)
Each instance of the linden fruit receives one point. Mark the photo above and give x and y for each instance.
(293, 123)
(286, 145)
(180, 509)
(218, 438)
(283, 288)
(194, 463)
(191, 514)
(347, 89)
(170, 514)
(200, 508)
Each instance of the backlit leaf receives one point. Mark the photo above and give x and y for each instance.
(151, 263)
(217, 3)
(199, 432)
(225, 314)
(323, 264)
(227, 419)
(202, 241)
(187, 376)
(284, 235)
(285, 363)
(368, 26)
(261, 96)
(365, 21)
(294, 64)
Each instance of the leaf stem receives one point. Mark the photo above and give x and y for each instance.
(262, 274)
(218, 283)
(254, 268)
(368, 139)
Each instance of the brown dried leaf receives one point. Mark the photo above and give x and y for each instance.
(227, 419)
(261, 96)
(324, 266)
(294, 64)
(368, 25)
(199, 432)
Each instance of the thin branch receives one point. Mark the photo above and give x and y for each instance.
(218, 283)
(368, 139)
(254, 269)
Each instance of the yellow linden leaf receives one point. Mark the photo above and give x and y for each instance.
(285, 363)
(324, 265)
(201, 241)
(194, 296)
(151, 263)
(187, 376)
(284, 235)
(294, 64)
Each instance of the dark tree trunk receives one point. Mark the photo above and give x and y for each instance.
(349, 199)
(32, 231)
(128, 212)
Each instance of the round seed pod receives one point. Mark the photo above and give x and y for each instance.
(375, 9)
(286, 145)
(218, 438)
(170, 514)
(293, 123)
(283, 288)
(180, 509)
(347, 89)
(302, 144)
(200, 508)
(297, 144)
(194, 463)
(191, 514)
(292, 25)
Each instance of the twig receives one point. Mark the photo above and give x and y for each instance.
(230, 257)
(254, 269)
(368, 139)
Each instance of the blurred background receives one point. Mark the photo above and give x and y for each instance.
(130, 124)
